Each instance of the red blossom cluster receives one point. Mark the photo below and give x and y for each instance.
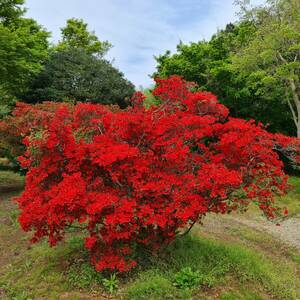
(140, 177)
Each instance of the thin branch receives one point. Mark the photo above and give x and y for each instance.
(281, 57)
(188, 230)
(295, 119)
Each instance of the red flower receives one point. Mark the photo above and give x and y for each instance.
(138, 176)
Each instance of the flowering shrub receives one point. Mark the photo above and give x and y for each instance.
(140, 177)
(27, 119)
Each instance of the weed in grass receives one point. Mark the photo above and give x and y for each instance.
(83, 276)
(76, 243)
(13, 217)
(187, 278)
(296, 258)
(111, 283)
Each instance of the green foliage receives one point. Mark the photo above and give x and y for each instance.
(111, 283)
(23, 49)
(150, 99)
(10, 11)
(249, 93)
(273, 53)
(74, 74)
(187, 278)
(76, 35)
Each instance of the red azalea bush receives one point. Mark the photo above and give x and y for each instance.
(138, 177)
(27, 119)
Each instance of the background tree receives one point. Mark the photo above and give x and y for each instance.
(73, 74)
(23, 50)
(274, 52)
(76, 35)
(247, 93)
(10, 10)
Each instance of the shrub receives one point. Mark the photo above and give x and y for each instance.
(26, 120)
(138, 178)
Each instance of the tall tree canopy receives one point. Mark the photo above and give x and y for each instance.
(249, 88)
(10, 10)
(23, 49)
(73, 74)
(76, 35)
(274, 52)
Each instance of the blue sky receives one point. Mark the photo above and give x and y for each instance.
(138, 29)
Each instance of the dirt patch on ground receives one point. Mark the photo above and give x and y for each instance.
(288, 231)
(223, 226)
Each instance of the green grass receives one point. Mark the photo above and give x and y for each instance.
(218, 263)
(292, 199)
(50, 272)
(240, 294)
(154, 284)
(42, 271)
(10, 181)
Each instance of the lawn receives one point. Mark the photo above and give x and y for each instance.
(228, 263)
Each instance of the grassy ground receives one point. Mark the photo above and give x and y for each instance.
(227, 262)
(10, 181)
(292, 199)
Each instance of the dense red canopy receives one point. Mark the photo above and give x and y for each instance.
(138, 176)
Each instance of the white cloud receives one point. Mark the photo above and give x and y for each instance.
(138, 29)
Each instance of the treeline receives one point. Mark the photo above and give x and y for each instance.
(253, 66)
(74, 69)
